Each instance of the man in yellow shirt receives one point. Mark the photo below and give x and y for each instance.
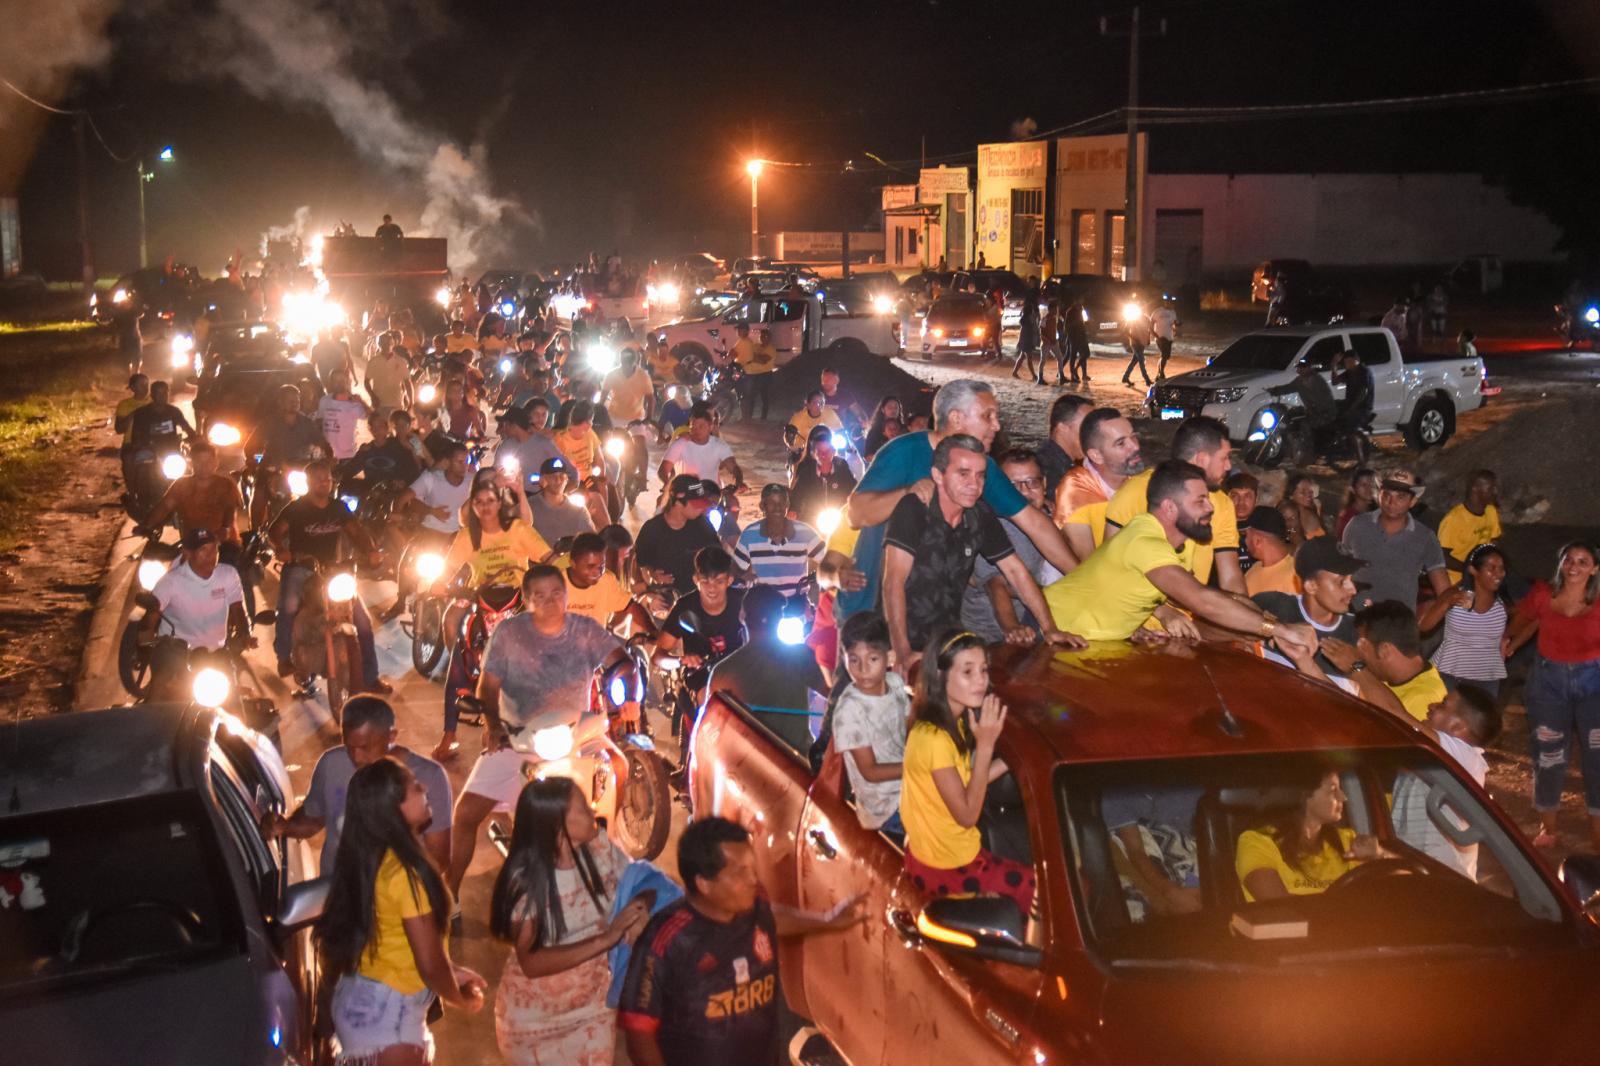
(458, 339)
(814, 413)
(628, 390)
(594, 592)
(1131, 577)
(758, 360)
(1266, 535)
(1386, 663)
(1473, 521)
(1203, 442)
(1111, 455)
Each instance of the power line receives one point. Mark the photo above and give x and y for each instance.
(102, 140)
(39, 103)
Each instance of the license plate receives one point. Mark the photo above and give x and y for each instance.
(1108, 325)
(958, 343)
(1171, 413)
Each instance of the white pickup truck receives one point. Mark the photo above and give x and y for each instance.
(793, 325)
(1418, 395)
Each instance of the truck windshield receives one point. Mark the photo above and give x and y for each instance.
(1161, 852)
(110, 891)
(1259, 351)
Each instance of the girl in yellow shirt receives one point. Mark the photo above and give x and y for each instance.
(383, 933)
(948, 764)
(1306, 850)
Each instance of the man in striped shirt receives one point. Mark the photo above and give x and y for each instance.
(778, 551)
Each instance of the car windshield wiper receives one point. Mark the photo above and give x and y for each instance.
(1395, 951)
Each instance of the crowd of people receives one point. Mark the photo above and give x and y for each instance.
(903, 570)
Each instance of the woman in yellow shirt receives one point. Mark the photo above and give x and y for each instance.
(383, 933)
(948, 764)
(1305, 850)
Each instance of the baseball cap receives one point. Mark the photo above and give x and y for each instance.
(1323, 554)
(689, 488)
(1403, 480)
(1267, 520)
(198, 538)
(555, 464)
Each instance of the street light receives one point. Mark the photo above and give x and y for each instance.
(165, 156)
(753, 168)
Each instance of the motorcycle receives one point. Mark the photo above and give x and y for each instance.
(326, 642)
(1578, 326)
(631, 452)
(1282, 434)
(720, 389)
(467, 622)
(605, 750)
(150, 472)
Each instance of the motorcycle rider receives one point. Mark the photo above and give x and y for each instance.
(536, 673)
(815, 413)
(308, 533)
(1314, 393)
(340, 412)
(205, 500)
(122, 419)
(668, 542)
(383, 458)
(523, 449)
(202, 601)
(1355, 407)
(288, 437)
(555, 516)
(698, 453)
(388, 377)
(158, 424)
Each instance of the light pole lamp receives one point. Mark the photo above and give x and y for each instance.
(753, 168)
(165, 155)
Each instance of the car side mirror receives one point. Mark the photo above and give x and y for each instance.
(991, 927)
(1581, 875)
(303, 904)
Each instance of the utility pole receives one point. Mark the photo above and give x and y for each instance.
(1130, 217)
(144, 247)
(85, 247)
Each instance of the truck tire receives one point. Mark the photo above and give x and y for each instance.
(1432, 423)
(849, 346)
(693, 360)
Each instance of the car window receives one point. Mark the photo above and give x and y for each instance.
(786, 311)
(744, 312)
(1323, 352)
(1258, 351)
(1155, 850)
(111, 893)
(241, 817)
(1373, 348)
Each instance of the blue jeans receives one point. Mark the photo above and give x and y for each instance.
(369, 1017)
(291, 585)
(1563, 702)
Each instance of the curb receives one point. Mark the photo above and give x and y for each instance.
(96, 684)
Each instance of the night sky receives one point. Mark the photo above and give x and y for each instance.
(627, 124)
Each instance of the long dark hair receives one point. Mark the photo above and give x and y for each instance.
(932, 704)
(1288, 824)
(373, 827)
(529, 873)
(875, 438)
(1475, 560)
(509, 511)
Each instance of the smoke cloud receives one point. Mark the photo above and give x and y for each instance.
(295, 52)
(42, 45)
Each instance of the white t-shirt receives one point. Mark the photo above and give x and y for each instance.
(1162, 322)
(435, 490)
(700, 460)
(340, 420)
(1410, 810)
(879, 723)
(197, 608)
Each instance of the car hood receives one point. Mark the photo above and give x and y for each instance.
(1208, 378)
(1376, 1011)
(210, 1013)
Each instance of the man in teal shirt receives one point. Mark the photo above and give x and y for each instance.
(903, 466)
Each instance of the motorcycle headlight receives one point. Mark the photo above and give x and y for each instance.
(1592, 315)
(182, 345)
(882, 304)
(151, 571)
(342, 588)
(1132, 312)
(173, 467)
(298, 485)
(667, 293)
(506, 364)
(553, 743)
(792, 630)
(508, 309)
(443, 296)
(426, 394)
(617, 688)
(211, 687)
(350, 503)
(603, 357)
(828, 521)
(223, 435)
(119, 296)
(1267, 420)
(615, 447)
(1230, 395)
(430, 566)
(714, 516)
(840, 442)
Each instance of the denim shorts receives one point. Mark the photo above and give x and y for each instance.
(369, 1016)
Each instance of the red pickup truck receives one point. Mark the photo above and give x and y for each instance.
(1401, 960)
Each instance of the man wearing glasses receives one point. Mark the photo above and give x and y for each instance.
(988, 606)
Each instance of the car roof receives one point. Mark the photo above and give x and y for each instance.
(1115, 701)
(90, 757)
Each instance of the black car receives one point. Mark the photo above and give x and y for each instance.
(1109, 302)
(961, 323)
(147, 919)
(240, 391)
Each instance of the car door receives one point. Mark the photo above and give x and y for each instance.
(843, 972)
(1388, 377)
(785, 322)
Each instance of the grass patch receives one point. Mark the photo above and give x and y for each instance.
(55, 383)
(63, 325)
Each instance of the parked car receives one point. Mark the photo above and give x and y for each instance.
(1419, 395)
(1376, 969)
(145, 919)
(1110, 303)
(961, 323)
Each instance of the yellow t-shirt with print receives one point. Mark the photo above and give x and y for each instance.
(1420, 693)
(502, 557)
(932, 833)
(388, 956)
(464, 342)
(1108, 595)
(125, 409)
(583, 452)
(802, 421)
(1460, 530)
(1258, 850)
(599, 601)
(1133, 499)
